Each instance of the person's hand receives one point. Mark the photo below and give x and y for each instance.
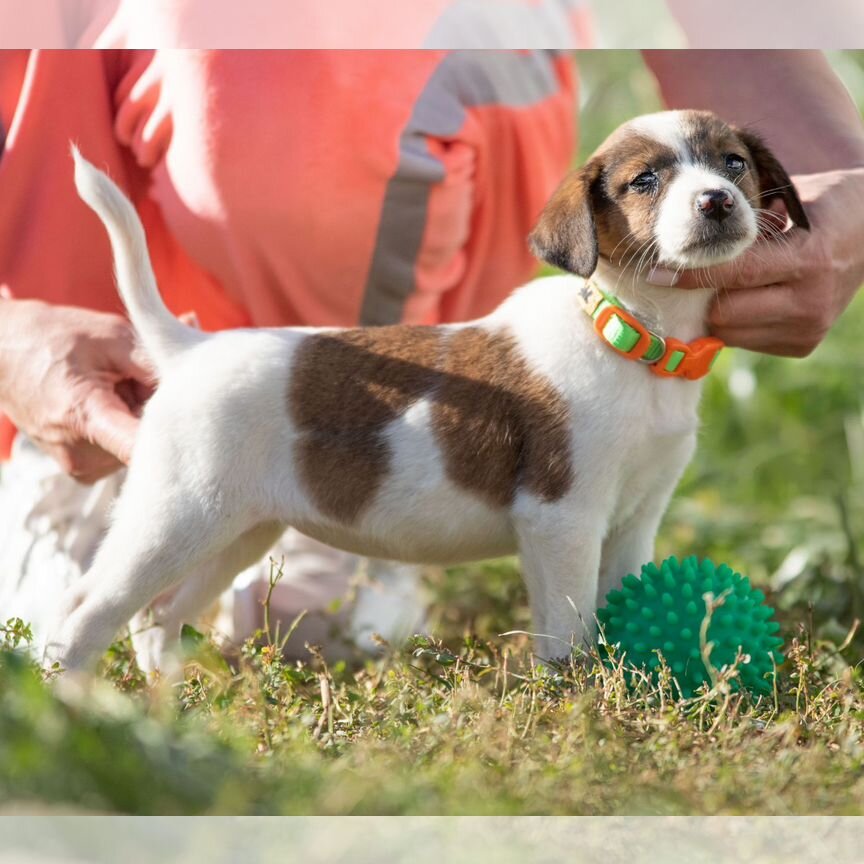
(70, 379)
(143, 121)
(784, 294)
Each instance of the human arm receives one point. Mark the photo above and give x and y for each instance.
(745, 24)
(796, 287)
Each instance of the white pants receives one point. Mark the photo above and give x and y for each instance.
(50, 528)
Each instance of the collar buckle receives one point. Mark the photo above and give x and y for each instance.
(611, 325)
(690, 360)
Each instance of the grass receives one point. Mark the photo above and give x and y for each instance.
(461, 725)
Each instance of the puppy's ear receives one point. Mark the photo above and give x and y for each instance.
(566, 236)
(774, 182)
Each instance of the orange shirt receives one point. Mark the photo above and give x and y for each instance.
(282, 188)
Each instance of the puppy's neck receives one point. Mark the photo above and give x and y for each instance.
(676, 312)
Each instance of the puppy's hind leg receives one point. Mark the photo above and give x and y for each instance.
(151, 546)
(155, 632)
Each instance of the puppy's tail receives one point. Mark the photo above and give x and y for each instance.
(161, 334)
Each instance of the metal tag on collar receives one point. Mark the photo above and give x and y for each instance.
(590, 297)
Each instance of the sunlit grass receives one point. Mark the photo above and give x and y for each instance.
(471, 724)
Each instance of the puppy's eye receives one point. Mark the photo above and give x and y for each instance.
(735, 163)
(645, 182)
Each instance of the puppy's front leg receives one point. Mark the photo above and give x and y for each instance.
(630, 544)
(560, 557)
(626, 549)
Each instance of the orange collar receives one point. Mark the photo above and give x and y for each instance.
(627, 336)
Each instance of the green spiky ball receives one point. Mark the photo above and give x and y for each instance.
(663, 610)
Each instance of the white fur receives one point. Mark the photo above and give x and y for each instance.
(675, 221)
(213, 476)
(159, 331)
(668, 128)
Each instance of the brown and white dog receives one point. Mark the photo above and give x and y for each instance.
(521, 431)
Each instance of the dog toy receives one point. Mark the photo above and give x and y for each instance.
(663, 611)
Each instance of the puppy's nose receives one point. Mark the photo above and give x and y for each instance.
(715, 204)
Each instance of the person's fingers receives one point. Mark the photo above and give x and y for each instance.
(140, 63)
(663, 277)
(84, 462)
(767, 262)
(154, 136)
(134, 394)
(135, 99)
(142, 362)
(132, 115)
(773, 306)
(752, 269)
(129, 360)
(780, 319)
(766, 340)
(108, 422)
(137, 366)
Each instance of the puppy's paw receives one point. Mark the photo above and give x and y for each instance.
(157, 655)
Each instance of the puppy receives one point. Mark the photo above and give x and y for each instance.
(557, 426)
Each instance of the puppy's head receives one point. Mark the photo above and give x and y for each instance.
(678, 188)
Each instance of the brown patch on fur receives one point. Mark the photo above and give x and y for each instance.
(772, 180)
(500, 426)
(710, 141)
(346, 387)
(566, 234)
(593, 212)
(625, 220)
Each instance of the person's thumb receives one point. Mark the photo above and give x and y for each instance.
(109, 423)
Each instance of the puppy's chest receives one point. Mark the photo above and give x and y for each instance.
(652, 431)
(652, 414)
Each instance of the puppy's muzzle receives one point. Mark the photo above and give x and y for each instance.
(715, 204)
